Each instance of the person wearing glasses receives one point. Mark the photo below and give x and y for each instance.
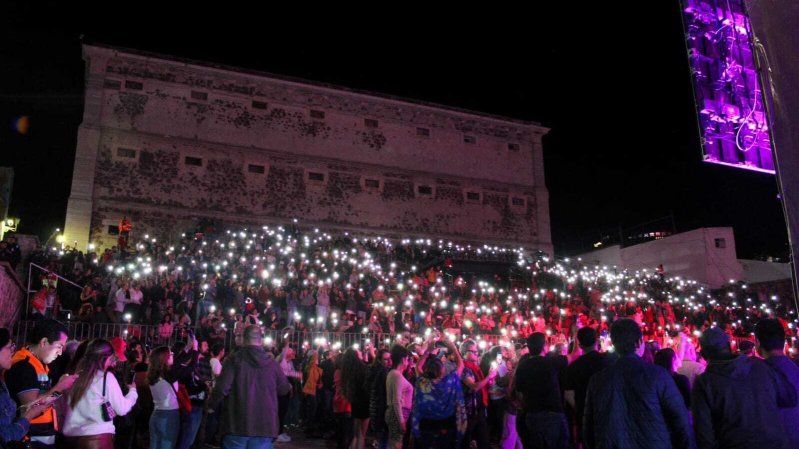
(88, 425)
(475, 394)
(28, 379)
(12, 427)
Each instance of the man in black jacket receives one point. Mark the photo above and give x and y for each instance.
(736, 402)
(634, 404)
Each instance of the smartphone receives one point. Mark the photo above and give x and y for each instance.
(45, 400)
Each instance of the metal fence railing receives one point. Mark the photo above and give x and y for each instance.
(149, 334)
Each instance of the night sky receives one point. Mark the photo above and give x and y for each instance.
(624, 146)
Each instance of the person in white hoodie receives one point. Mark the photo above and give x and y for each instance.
(88, 423)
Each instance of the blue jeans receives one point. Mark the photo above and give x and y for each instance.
(189, 424)
(547, 430)
(164, 428)
(242, 442)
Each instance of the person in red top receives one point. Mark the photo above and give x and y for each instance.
(124, 232)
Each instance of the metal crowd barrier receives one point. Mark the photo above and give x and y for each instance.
(308, 339)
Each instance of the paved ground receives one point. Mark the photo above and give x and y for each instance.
(298, 441)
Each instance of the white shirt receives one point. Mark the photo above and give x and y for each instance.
(120, 300)
(216, 367)
(399, 394)
(136, 296)
(86, 417)
(164, 395)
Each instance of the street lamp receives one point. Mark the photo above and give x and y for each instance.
(47, 242)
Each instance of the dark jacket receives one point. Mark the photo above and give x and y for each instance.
(736, 404)
(250, 383)
(790, 416)
(377, 398)
(634, 404)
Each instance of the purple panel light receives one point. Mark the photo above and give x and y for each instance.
(732, 122)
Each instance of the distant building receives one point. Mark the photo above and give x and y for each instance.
(706, 255)
(168, 142)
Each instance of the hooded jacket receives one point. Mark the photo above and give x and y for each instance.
(250, 383)
(736, 404)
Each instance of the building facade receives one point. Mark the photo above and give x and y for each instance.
(168, 142)
(706, 255)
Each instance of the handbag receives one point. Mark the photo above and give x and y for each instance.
(184, 402)
(106, 410)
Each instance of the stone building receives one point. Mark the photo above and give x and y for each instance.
(168, 142)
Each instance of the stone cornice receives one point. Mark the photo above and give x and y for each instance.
(306, 94)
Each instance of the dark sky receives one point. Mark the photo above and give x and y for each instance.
(616, 92)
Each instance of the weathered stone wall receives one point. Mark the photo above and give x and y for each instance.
(12, 296)
(256, 143)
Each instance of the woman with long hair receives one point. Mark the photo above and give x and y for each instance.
(94, 399)
(165, 420)
(342, 409)
(12, 427)
(355, 388)
(667, 358)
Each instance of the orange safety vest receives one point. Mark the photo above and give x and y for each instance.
(43, 375)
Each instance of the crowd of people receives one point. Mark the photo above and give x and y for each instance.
(314, 281)
(104, 394)
(542, 353)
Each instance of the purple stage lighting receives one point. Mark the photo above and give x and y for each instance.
(732, 121)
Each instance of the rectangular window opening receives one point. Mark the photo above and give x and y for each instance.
(254, 168)
(133, 85)
(193, 161)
